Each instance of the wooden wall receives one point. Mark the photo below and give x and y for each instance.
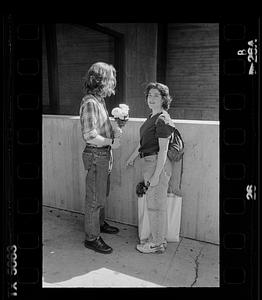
(192, 66)
(192, 72)
(64, 175)
(78, 47)
(140, 62)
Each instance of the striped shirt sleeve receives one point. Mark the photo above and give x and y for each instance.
(89, 118)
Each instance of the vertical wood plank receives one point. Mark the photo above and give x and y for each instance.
(193, 70)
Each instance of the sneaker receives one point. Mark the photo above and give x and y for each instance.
(150, 248)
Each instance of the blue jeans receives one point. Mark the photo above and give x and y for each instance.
(96, 163)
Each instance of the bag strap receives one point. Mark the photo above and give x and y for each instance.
(182, 165)
(181, 171)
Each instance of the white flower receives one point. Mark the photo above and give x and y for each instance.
(120, 112)
(123, 115)
(116, 112)
(124, 107)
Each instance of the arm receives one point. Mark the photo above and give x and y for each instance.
(117, 132)
(164, 127)
(134, 155)
(101, 141)
(98, 140)
(161, 159)
(88, 118)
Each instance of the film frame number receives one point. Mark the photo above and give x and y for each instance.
(12, 268)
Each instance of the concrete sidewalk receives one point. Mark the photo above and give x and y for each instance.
(67, 263)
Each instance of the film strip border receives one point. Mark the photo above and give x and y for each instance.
(22, 214)
(239, 134)
(239, 194)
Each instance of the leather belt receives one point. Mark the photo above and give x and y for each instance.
(96, 147)
(144, 154)
(91, 148)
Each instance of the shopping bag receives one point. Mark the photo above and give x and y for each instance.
(143, 221)
(174, 206)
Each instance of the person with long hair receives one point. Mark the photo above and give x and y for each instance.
(155, 134)
(100, 139)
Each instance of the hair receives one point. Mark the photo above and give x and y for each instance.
(164, 91)
(100, 80)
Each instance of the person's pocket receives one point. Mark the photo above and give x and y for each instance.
(148, 167)
(150, 158)
(102, 156)
(87, 160)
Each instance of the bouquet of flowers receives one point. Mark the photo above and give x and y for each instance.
(121, 114)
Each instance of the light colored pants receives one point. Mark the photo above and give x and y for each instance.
(157, 198)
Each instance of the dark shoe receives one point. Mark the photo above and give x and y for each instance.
(106, 228)
(98, 245)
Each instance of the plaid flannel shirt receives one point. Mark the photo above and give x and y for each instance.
(94, 118)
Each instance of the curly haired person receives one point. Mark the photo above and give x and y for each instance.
(100, 139)
(155, 134)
